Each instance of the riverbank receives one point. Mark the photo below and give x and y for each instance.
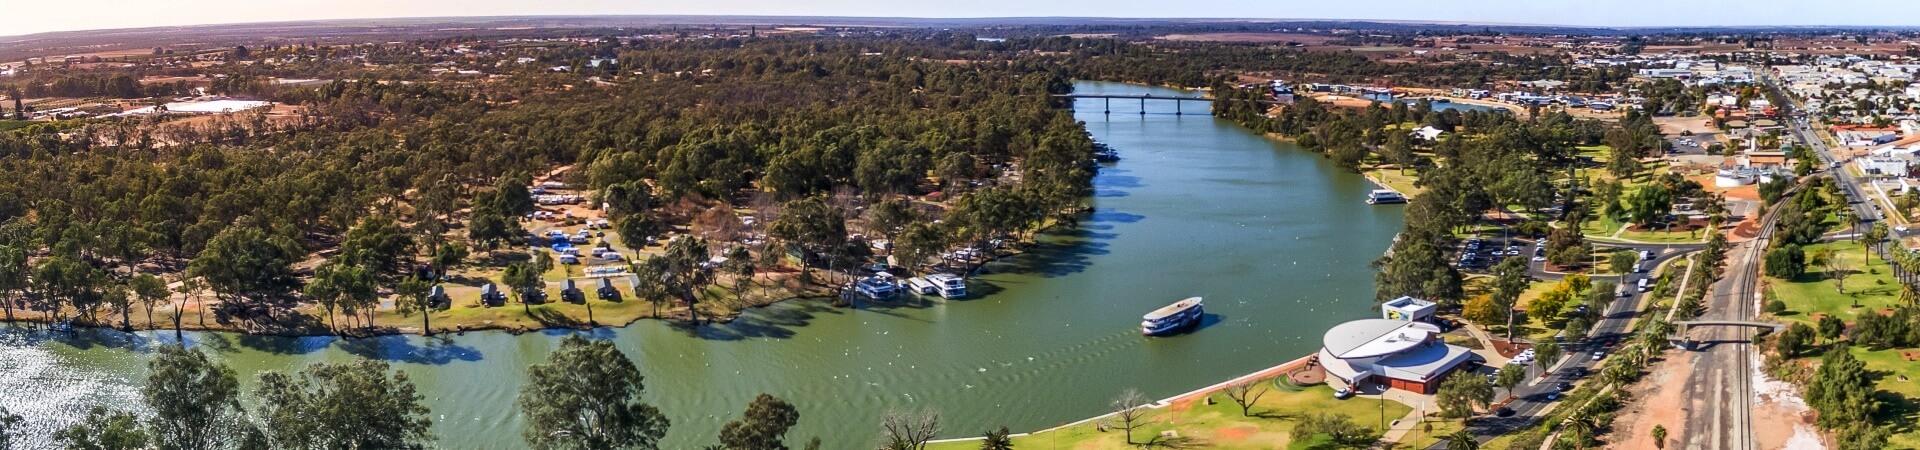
(1046, 337)
(1089, 432)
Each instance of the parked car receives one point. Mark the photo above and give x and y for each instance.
(1343, 393)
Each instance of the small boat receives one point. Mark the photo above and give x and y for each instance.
(919, 285)
(949, 285)
(1172, 318)
(875, 288)
(1384, 196)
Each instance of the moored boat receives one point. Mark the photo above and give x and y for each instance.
(949, 285)
(1171, 318)
(1384, 196)
(920, 285)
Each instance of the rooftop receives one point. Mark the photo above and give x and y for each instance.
(1375, 337)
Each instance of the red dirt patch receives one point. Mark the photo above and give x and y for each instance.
(1509, 349)
(1240, 433)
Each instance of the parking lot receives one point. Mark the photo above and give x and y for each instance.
(1479, 254)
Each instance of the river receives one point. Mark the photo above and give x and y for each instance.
(1275, 238)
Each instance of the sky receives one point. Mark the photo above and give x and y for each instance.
(34, 16)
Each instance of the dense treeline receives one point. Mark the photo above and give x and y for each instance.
(797, 118)
(587, 395)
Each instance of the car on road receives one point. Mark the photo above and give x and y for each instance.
(1503, 412)
(1563, 386)
(1343, 393)
(1551, 396)
(1579, 372)
(1599, 354)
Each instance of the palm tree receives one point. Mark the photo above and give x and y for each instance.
(1461, 440)
(1909, 294)
(1876, 235)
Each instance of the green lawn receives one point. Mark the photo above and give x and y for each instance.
(1396, 180)
(1900, 399)
(10, 125)
(1217, 426)
(1871, 286)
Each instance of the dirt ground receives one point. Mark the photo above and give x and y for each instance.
(1780, 418)
(1658, 400)
(1675, 125)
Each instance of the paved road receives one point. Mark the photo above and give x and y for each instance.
(1530, 401)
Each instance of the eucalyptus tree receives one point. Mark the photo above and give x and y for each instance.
(356, 405)
(195, 402)
(588, 396)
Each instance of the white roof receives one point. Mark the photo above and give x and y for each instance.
(1422, 362)
(1375, 337)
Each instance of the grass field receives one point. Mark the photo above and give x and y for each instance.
(1871, 286)
(10, 125)
(1900, 399)
(1217, 426)
(1397, 181)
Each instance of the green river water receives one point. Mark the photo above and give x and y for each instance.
(1276, 239)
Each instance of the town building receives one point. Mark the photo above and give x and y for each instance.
(1402, 352)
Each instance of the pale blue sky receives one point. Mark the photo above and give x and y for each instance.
(33, 16)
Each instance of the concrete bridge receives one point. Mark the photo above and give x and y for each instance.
(1683, 339)
(1178, 102)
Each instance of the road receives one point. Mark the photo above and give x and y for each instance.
(1530, 401)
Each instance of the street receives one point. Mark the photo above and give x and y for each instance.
(1530, 401)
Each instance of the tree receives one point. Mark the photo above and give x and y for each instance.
(1842, 391)
(1340, 428)
(1130, 409)
(195, 401)
(908, 430)
(587, 396)
(411, 297)
(1462, 440)
(378, 244)
(1836, 268)
(1659, 436)
(339, 286)
(361, 404)
(1460, 395)
(245, 264)
(522, 279)
(1797, 338)
(1551, 304)
(150, 290)
(1547, 351)
(1509, 280)
(1786, 262)
(997, 440)
(1622, 261)
(1649, 205)
(103, 429)
(1510, 376)
(1831, 327)
(1481, 310)
(689, 271)
(1246, 393)
(812, 224)
(1876, 235)
(762, 427)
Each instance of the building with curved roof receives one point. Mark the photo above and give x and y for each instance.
(1401, 354)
